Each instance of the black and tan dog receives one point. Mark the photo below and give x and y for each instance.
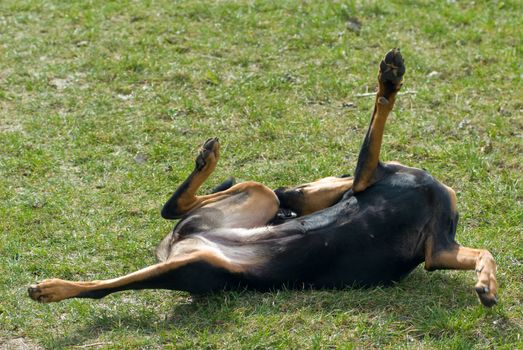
(372, 229)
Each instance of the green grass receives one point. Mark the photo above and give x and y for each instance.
(103, 105)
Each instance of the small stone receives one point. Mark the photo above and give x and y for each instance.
(59, 84)
(140, 158)
(125, 97)
(503, 111)
(433, 74)
(354, 25)
(37, 204)
(463, 123)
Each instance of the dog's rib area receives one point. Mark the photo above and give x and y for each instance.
(236, 252)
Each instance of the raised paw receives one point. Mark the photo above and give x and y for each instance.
(208, 154)
(392, 69)
(487, 285)
(52, 290)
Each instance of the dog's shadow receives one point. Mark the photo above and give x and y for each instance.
(416, 302)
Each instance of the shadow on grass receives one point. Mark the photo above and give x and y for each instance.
(425, 302)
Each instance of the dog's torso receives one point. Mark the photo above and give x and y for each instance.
(374, 237)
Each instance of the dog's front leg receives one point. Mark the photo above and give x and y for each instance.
(463, 258)
(390, 77)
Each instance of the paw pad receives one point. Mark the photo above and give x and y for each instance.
(209, 147)
(392, 67)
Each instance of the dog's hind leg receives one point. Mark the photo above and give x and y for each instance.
(184, 198)
(198, 272)
(245, 205)
(308, 198)
(242, 199)
(188, 266)
(368, 169)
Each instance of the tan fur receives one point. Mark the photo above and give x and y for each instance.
(382, 107)
(53, 290)
(322, 193)
(463, 258)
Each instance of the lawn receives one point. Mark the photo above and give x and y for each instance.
(104, 104)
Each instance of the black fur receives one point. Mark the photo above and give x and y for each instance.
(375, 237)
(224, 185)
